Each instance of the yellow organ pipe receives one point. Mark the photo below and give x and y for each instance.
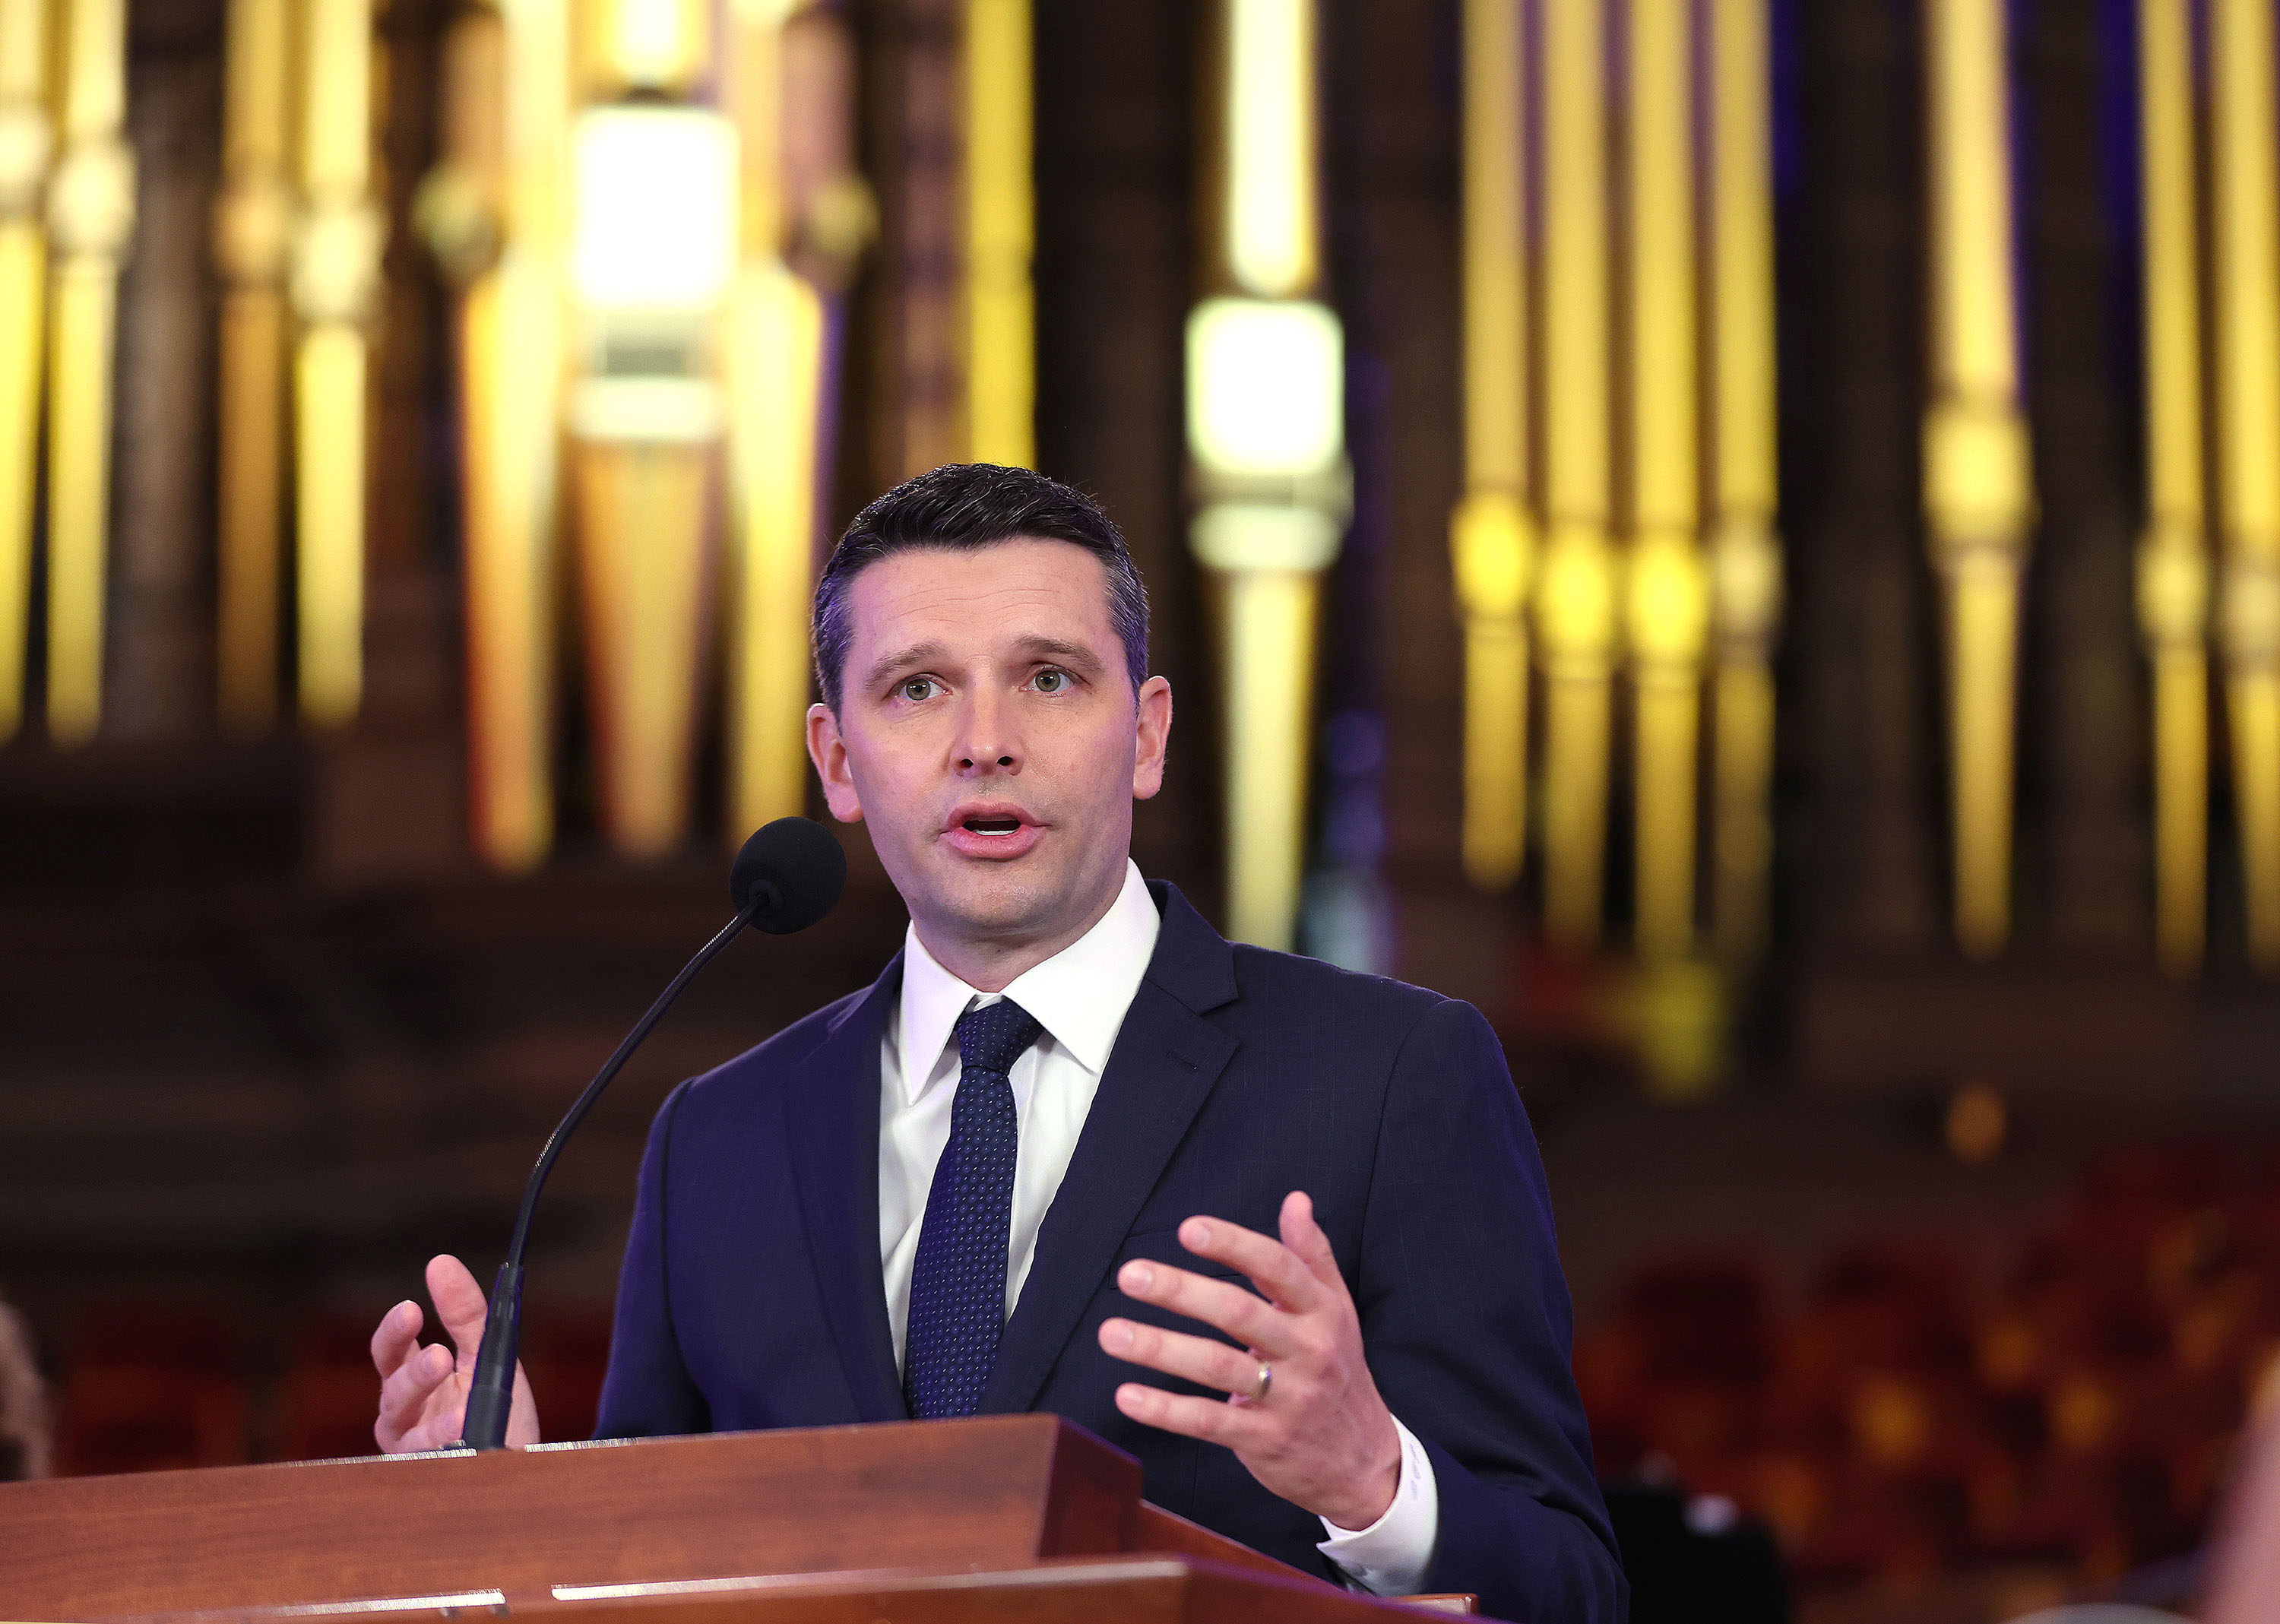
(1746, 569)
(90, 218)
(642, 516)
(777, 329)
(1669, 605)
(1265, 431)
(1576, 592)
(25, 139)
(1000, 320)
(251, 232)
(335, 282)
(776, 383)
(1268, 621)
(511, 339)
(646, 408)
(1492, 532)
(2173, 556)
(1268, 226)
(2245, 241)
(1977, 485)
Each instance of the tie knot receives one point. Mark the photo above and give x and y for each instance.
(993, 1036)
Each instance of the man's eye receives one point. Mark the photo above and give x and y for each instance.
(917, 688)
(1051, 681)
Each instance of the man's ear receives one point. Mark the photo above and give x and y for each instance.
(828, 752)
(1152, 738)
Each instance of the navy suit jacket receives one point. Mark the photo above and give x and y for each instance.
(752, 1294)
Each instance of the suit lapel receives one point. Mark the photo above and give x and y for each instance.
(833, 1139)
(1166, 1060)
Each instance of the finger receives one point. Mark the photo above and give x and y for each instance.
(521, 1413)
(460, 1304)
(404, 1396)
(1215, 1420)
(396, 1337)
(1273, 1266)
(1218, 1303)
(1196, 1358)
(1305, 1238)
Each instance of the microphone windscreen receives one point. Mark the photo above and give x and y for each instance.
(797, 859)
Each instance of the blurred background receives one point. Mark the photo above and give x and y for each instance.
(1741, 537)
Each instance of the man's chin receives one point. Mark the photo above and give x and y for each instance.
(1007, 899)
(1000, 899)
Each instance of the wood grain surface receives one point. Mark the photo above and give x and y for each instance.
(997, 1492)
(1145, 1589)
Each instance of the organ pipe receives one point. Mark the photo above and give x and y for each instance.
(90, 220)
(1978, 497)
(1577, 594)
(2245, 238)
(27, 140)
(1669, 597)
(1745, 565)
(252, 237)
(2173, 566)
(1492, 533)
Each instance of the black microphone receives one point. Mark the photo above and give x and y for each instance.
(789, 875)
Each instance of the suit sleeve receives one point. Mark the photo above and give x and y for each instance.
(1466, 1318)
(647, 1392)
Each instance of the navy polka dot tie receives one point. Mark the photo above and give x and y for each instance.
(958, 1284)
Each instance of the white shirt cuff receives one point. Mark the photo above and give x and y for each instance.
(1389, 1557)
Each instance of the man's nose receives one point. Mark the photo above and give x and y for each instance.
(988, 742)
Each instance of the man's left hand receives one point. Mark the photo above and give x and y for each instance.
(1321, 1438)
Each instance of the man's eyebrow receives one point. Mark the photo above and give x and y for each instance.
(916, 654)
(1065, 652)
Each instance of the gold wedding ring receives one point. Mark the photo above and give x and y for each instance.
(1266, 1381)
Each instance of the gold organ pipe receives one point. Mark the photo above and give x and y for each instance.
(90, 218)
(1977, 484)
(336, 283)
(25, 137)
(1266, 435)
(1270, 617)
(1745, 567)
(1576, 592)
(777, 330)
(252, 226)
(642, 514)
(1668, 607)
(507, 125)
(1000, 319)
(2245, 241)
(646, 408)
(1492, 533)
(775, 380)
(1269, 229)
(2173, 556)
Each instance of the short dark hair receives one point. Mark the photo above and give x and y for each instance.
(962, 505)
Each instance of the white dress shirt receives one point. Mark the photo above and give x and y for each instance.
(1079, 996)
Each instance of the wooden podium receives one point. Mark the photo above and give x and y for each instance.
(1021, 1518)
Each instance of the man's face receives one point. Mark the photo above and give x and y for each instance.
(988, 733)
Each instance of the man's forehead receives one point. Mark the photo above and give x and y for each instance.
(1023, 586)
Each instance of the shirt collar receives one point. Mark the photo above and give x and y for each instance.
(1079, 995)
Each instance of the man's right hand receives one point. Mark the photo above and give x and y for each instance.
(423, 1391)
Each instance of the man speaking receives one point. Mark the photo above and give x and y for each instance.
(1279, 1230)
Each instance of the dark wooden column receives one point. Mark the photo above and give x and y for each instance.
(1115, 146)
(1392, 162)
(906, 312)
(1859, 692)
(160, 637)
(390, 794)
(2083, 717)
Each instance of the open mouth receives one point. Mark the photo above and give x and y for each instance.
(993, 826)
